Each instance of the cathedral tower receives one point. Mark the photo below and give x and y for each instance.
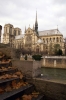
(36, 24)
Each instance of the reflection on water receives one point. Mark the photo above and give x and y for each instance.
(54, 73)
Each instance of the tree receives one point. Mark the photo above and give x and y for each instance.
(37, 57)
(57, 50)
(17, 52)
(50, 49)
(25, 57)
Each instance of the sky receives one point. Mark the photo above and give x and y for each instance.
(21, 13)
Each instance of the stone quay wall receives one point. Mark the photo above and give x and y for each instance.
(51, 90)
(29, 68)
(54, 62)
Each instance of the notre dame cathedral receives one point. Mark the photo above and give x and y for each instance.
(32, 39)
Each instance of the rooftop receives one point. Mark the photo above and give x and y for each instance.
(19, 36)
(49, 32)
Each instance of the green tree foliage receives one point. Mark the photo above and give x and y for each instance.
(51, 49)
(57, 50)
(25, 57)
(37, 57)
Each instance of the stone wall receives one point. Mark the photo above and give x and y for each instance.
(51, 90)
(29, 68)
(54, 62)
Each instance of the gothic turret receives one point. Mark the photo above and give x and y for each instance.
(36, 24)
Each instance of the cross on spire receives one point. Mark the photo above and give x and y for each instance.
(57, 29)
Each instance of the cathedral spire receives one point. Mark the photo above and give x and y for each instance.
(36, 24)
(36, 19)
(25, 29)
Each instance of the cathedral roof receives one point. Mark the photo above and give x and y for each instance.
(19, 36)
(8, 24)
(49, 32)
(17, 28)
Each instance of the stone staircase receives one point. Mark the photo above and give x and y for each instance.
(13, 84)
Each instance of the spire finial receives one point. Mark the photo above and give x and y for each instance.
(36, 18)
(57, 29)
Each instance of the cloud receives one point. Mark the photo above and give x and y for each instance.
(60, 2)
(21, 13)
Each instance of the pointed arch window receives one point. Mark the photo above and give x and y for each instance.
(60, 39)
(53, 39)
(57, 39)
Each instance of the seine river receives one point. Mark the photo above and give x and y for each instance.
(54, 73)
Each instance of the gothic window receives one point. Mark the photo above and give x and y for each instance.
(18, 32)
(6, 29)
(28, 38)
(10, 30)
(28, 31)
(60, 39)
(47, 40)
(43, 40)
(15, 32)
(53, 39)
(57, 39)
(50, 39)
(28, 41)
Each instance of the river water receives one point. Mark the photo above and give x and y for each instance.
(54, 73)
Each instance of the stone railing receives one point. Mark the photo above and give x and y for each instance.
(59, 57)
(54, 61)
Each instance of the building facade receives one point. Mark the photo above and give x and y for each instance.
(50, 39)
(9, 33)
(40, 43)
(33, 40)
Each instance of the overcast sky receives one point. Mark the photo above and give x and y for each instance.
(21, 13)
